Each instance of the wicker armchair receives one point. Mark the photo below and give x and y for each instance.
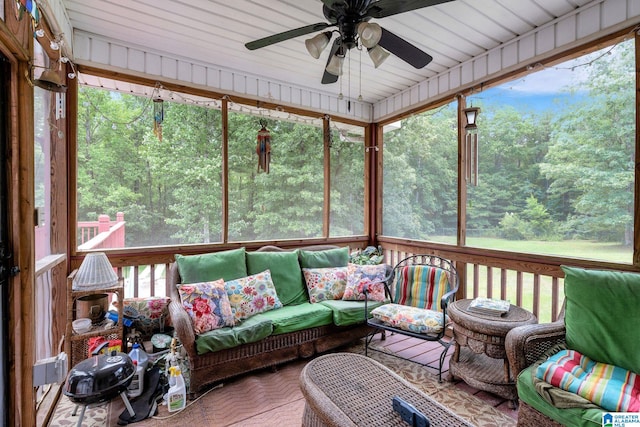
(421, 288)
(524, 346)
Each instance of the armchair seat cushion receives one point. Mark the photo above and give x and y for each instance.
(611, 387)
(412, 319)
(347, 313)
(577, 416)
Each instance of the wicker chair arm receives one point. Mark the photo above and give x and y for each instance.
(179, 318)
(526, 344)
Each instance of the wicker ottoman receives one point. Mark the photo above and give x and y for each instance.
(346, 389)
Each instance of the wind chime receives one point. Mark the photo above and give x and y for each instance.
(471, 145)
(158, 117)
(29, 6)
(263, 147)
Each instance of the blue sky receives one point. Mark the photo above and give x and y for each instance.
(540, 90)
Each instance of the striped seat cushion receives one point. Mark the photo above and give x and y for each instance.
(608, 386)
(421, 286)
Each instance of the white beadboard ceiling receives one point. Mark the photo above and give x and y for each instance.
(215, 31)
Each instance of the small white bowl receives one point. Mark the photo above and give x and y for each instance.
(82, 325)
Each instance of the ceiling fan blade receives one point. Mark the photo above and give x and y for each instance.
(331, 3)
(328, 78)
(280, 37)
(404, 50)
(383, 8)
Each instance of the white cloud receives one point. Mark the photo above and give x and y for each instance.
(549, 80)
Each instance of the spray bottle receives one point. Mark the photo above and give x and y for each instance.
(177, 395)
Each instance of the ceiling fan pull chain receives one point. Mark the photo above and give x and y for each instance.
(360, 76)
(349, 89)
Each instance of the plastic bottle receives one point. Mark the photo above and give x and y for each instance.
(138, 353)
(177, 396)
(140, 361)
(136, 387)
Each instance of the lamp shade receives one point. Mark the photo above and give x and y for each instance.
(95, 272)
(335, 65)
(471, 115)
(316, 44)
(378, 55)
(370, 34)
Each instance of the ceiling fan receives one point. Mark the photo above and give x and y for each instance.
(351, 19)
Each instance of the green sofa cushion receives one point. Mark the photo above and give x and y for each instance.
(347, 313)
(250, 330)
(285, 273)
(338, 257)
(297, 317)
(227, 265)
(579, 417)
(602, 316)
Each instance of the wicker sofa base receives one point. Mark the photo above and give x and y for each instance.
(210, 368)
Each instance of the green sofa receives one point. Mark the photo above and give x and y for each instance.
(299, 329)
(600, 320)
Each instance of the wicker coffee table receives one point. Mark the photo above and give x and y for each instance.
(346, 389)
(480, 358)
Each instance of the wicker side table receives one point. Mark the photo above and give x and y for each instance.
(480, 358)
(346, 389)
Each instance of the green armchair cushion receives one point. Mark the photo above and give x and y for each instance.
(227, 265)
(602, 316)
(285, 273)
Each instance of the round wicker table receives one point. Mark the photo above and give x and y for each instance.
(347, 389)
(480, 358)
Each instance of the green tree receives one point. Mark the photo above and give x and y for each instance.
(591, 156)
(420, 176)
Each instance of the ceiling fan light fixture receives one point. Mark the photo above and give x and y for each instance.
(370, 34)
(378, 55)
(316, 44)
(335, 65)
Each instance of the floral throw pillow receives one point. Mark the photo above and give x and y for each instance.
(325, 283)
(151, 313)
(252, 295)
(360, 275)
(207, 303)
(413, 319)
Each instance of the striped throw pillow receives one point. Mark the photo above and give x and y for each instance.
(421, 286)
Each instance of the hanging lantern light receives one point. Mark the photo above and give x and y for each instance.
(471, 144)
(263, 147)
(158, 117)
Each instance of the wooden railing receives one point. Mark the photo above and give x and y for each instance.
(534, 282)
(102, 234)
(49, 320)
(144, 270)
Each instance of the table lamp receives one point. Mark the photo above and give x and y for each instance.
(95, 272)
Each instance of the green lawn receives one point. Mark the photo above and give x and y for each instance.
(580, 249)
(570, 248)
